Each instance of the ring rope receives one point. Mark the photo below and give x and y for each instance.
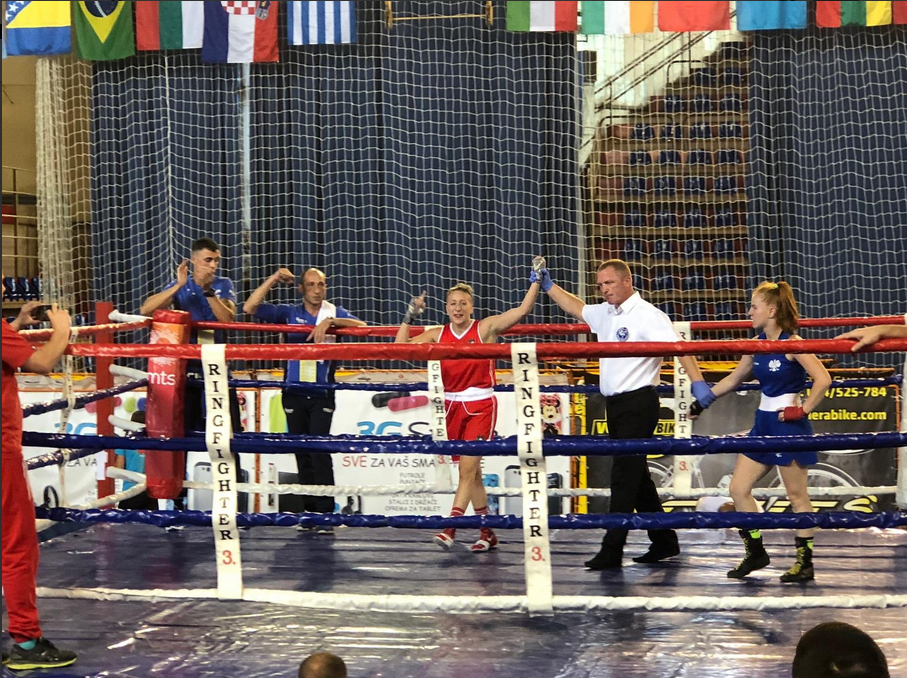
(433, 351)
(464, 604)
(272, 443)
(83, 400)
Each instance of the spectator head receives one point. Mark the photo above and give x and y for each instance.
(838, 650)
(322, 665)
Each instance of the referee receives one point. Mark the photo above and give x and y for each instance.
(628, 385)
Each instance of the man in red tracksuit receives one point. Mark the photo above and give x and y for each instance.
(20, 540)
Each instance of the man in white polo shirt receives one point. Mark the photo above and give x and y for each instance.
(628, 385)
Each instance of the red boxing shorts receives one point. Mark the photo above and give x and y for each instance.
(473, 420)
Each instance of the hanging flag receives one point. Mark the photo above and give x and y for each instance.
(104, 30)
(321, 23)
(541, 16)
(837, 14)
(37, 28)
(683, 17)
(240, 32)
(899, 11)
(767, 16)
(169, 25)
(617, 18)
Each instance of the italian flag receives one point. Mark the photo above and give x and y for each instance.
(169, 25)
(542, 16)
(837, 14)
(617, 18)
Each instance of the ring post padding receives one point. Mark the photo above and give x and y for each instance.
(901, 497)
(534, 476)
(218, 430)
(164, 412)
(439, 422)
(683, 425)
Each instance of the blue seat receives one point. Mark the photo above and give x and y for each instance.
(664, 282)
(9, 288)
(703, 77)
(701, 130)
(726, 185)
(725, 310)
(730, 103)
(642, 132)
(669, 157)
(665, 219)
(694, 218)
(694, 185)
(725, 280)
(665, 185)
(724, 249)
(22, 288)
(35, 285)
(693, 281)
(640, 158)
(633, 249)
(671, 132)
(663, 249)
(699, 156)
(674, 103)
(669, 308)
(634, 218)
(725, 217)
(695, 311)
(728, 156)
(701, 104)
(732, 77)
(730, 130)
(634, 186)
(692, 249)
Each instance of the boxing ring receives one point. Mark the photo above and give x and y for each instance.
(381, 595)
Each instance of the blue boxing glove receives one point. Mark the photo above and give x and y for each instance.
(540, 274)
(703, 393)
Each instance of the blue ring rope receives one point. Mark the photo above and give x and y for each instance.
(628, 521)
(83, 400)
(275, 443)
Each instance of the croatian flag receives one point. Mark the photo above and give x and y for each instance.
(321, 23)
(240, 32)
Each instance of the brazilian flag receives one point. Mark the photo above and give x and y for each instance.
(104, 30)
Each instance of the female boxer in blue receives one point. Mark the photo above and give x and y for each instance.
(781, 377)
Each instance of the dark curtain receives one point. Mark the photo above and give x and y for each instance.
(165, 169)
(429, 153)
(827, 185)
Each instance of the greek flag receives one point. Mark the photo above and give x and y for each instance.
(321, 23)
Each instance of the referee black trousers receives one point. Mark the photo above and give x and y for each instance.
(312, 415)
(633, 415)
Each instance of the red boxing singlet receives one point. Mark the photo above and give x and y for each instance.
(466, 379)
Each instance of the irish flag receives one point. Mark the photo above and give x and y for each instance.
(837, 14)
(617, 18)
(169, 25)
(541, 16)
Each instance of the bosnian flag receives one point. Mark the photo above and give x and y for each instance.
(240, 32)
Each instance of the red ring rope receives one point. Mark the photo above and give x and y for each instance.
(423, 352)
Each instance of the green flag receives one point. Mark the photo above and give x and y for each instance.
(104, 30)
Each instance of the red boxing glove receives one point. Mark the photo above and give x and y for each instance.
(793, 413)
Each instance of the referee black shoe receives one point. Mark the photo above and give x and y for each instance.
(605, 559)
(658, 553)
(44, 655)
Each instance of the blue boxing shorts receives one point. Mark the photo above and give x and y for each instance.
(767, 424)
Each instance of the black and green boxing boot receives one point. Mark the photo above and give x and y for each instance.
(803, 568)
(756, 558)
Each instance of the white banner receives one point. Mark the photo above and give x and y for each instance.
(534, 476)
(223, 473)
(683, 425)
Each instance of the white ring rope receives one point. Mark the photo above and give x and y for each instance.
(128, 372)
(469, 604)
(391, 490)
(117, 317)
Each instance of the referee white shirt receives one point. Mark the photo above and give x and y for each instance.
(634, 320)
